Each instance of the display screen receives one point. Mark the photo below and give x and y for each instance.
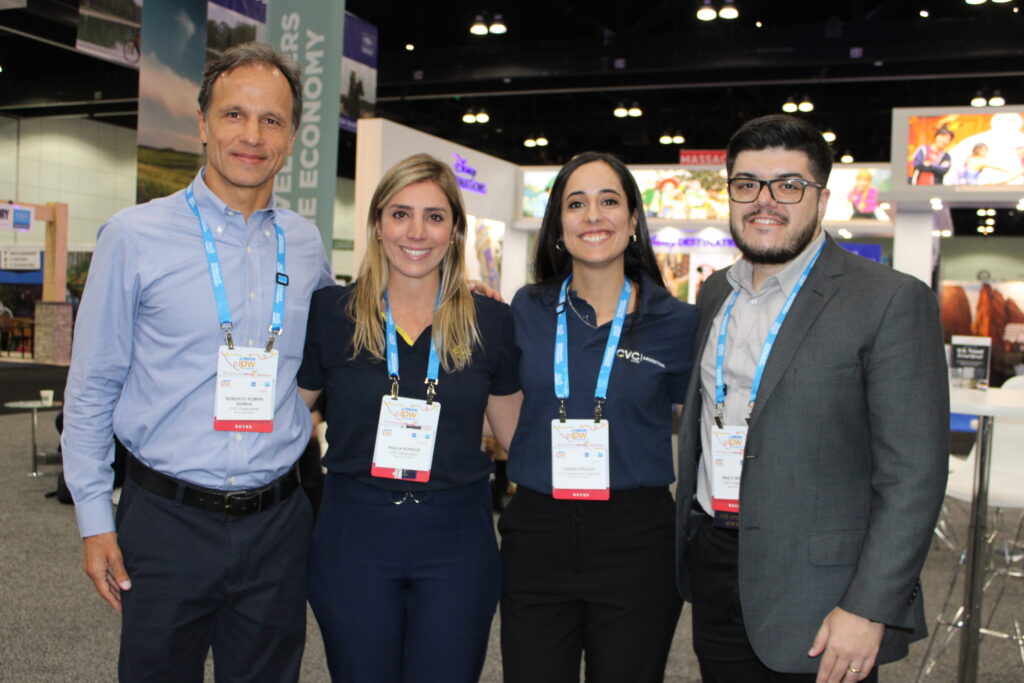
(965, 149)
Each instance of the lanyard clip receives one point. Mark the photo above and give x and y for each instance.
(271, 338)
(598, 402)
(229, 339)
(719, 414)
(431, 390)
(750, 410)
(561, 410)
(394, 386)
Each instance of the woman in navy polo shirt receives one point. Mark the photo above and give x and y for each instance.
(404, 571)
(588, 541)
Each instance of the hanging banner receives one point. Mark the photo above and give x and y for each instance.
(358, 72)
(232, 22)
(310, 32)
(110, 30)
(171, 68)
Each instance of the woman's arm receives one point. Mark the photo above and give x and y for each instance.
(309, 396)
(503, 415)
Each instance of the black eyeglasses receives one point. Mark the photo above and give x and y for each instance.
(783, 190)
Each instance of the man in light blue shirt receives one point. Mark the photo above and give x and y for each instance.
(210, 542)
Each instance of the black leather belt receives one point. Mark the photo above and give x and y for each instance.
(230, 503)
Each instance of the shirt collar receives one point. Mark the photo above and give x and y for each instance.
(207, 200)
(742, 272)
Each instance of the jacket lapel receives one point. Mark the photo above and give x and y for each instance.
(818, 290)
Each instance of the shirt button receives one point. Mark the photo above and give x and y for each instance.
(238, 437)
(232, 479)
(249, 343)
(267, 233)
(252, 295)
(220, 229)
(753, 302)
(248, 250)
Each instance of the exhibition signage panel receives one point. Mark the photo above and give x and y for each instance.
(21, 258)
(14, 217)
(310, 32)
(358, 71)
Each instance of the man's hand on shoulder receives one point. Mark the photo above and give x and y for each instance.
(848, 645)
(102, 562)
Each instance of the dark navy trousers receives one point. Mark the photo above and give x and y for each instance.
(404, 587)
(202, 580)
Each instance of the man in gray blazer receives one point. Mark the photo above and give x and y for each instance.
(813, 446)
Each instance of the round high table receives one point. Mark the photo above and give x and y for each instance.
(35, 407)
(988, 405)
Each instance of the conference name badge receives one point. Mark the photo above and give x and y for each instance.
(406, 434)
(246, 380)
(727, 445)
(579, 460)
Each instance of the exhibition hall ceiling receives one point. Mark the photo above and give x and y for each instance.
(563, 66)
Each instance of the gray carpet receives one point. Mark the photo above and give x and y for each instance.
(55, 628)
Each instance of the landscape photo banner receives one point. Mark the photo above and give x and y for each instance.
(310, 32)
(170, 71)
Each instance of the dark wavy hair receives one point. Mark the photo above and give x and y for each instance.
(786, 132)
(552, 264)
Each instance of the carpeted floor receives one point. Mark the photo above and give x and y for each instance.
(56, 629)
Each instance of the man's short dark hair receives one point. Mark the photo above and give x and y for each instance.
(944, 131)
(247, 54)
(786, 132)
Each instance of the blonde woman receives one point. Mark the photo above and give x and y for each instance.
(404, 571)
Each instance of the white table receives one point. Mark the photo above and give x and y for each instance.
(35, 407)
(988, 405)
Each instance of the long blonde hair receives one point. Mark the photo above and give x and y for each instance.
(455, 330)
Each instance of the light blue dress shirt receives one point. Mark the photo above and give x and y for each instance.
(144, 361)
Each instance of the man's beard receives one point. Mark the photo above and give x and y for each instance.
(795, 242)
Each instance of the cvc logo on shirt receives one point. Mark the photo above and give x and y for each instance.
(636, 357)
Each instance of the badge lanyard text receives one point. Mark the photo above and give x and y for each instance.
(562, 351)
(766, 349)
(216, 278)
(392, 349)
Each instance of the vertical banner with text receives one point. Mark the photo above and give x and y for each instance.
(310, 32)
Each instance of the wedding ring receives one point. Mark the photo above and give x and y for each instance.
(852, 670)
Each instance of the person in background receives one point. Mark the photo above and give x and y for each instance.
(813, 442)
(606, 352)
(404, 571)
(932, 162)
(863, 197)
(210, 541)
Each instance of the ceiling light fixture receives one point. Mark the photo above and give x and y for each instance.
(542, 141)
(482, 116)
(975, 2)
(829, 136)
(789, 106)
(410, 47)
(497, 26)
(665, 139)
(706, 11)
(923, 13)
(635, 110)
(678, 139)
(846, 158)
(758, 24)
(979, 99)
(529, 142)
(620, 112)
(997, 99)
(806, 105)
(728, 11)
(479, 28)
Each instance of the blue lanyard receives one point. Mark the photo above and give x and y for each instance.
(392, 344)
(216, 277)
(766, 349)
(562, 351)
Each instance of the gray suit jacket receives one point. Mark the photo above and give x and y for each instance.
(846, 459)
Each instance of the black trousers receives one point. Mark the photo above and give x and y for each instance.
(719, 635)
(202, 580)
(588, 578)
